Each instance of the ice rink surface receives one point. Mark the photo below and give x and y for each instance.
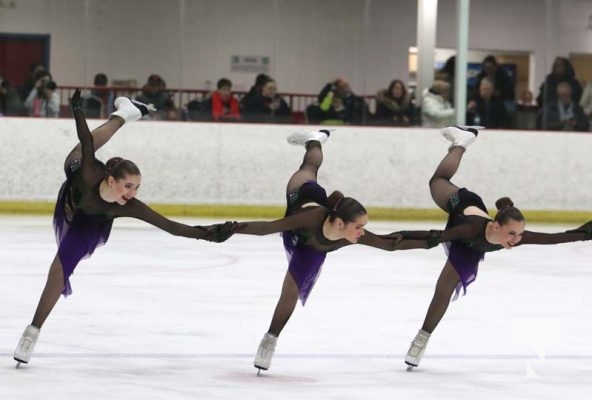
(154, 316)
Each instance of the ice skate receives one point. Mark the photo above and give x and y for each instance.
(25, 347)
(131, 110)
(301, 137)
(460, 136)
(416, 350)
(265, 352)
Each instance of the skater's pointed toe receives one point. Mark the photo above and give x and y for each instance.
(131, 110)
(460, 136)
(302, 137)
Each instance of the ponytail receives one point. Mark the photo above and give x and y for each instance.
(334, 199)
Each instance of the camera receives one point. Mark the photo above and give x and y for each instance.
(49, 85)
(45, 87)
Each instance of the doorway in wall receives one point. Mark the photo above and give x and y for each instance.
(582, 63)
(18, 52)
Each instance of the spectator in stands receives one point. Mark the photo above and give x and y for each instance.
(349, 109)
(564, 114)
(100, 92)
(563, 71)
(502, 82)
(154, 93)
(586, 101)
(36, 71)
(526, 112)
(10, 101)
(267, 106)
(255, 91)
(394, 106)
(446, 73)
(196, 110)
(436, 110)
(223, 105)
(43, 101)
(526, 99)
(487, 109)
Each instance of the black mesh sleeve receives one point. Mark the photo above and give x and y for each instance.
(91, 171)
(306, 219)
(137, 209)
(553, 238)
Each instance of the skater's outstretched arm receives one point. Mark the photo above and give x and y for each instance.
(583, 232)
(470, 229)
(304, 219)
(400, 241)
(214, 233)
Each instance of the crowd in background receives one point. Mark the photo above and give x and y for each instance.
(561, 104)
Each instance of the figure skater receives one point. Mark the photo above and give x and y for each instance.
(314, 225)
(93, 195)
(469, 233)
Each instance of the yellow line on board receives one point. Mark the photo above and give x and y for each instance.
(273, 212)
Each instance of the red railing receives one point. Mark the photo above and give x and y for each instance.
(297, 101)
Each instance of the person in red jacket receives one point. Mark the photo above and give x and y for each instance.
(224, 105)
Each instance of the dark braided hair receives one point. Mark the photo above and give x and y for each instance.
(346, 208)
(118, 168)
(506, 211)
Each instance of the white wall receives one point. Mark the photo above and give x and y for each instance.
(309, 41)
(193, 163)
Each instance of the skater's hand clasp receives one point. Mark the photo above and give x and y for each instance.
(219, 233)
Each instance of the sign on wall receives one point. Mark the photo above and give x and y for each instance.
(251, 64)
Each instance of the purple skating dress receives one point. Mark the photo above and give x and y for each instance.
(82, 219)
(465, 242)
(465, 254)
(305, 261)
(78, 234)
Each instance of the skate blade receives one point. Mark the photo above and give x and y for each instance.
(410, 366)
(259, 369)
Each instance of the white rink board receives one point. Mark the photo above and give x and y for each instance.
(201, 163)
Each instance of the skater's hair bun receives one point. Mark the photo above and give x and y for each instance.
(346, 208)
(119, 168)
(506, 211)
(504, 202)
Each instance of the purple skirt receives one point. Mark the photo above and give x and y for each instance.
(464, 259)
(465, 262)
(77, 234)
(304, 262)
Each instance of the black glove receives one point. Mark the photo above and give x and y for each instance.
(432, 237)
(219, 233)
(76, 101)
(586, 229)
